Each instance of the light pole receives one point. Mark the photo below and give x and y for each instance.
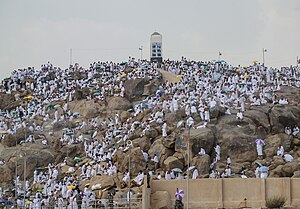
(264, 51)
(129, 144)
(141, 49)
(16, 185)
(188, 126)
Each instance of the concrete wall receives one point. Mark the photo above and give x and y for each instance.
(232, 192)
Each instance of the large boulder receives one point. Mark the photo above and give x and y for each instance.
(259, 117)
(282, 116)
(6, 174)
(202, 163)
(144, 143)
(217, 112)
(161, 200)
(174, 117)
(118, 103)
(198, 138)
(6, 100)
(136, 158)
(274, 141)
(152, 87)
(73, 150)
(134, 88)
(289, 168)
(86, 108)
(12, 139)
(237, 139)
(169, 141)
(101, 182)
(173, 162)
(160, 150)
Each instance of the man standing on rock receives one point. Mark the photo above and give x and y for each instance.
(164, 129)
(259, 147)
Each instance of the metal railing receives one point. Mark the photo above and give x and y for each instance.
(121, 203)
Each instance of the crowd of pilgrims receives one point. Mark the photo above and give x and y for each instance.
(203, 85)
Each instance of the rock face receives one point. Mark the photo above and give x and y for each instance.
(202, 163)
(237, 139)
(6, 101)
(137, 161)
(173, 162)
(161, 200)
(12, 140)
(87, 109)
(134, 88)
(118, 103)
(282, 116)
(144, 143)
(35, 156)
(101, 182)
(6, 174)
(198, 138)
(160, 150)
(274, 141)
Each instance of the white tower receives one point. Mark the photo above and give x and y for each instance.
(156, 47)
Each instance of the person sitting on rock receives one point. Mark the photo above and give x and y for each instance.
(288, 130)
(202, 151)
(239, 115)
(156, 161)
(139, 178)
(280, 151)
(295, 131)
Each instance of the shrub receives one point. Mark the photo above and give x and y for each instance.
(275, 202)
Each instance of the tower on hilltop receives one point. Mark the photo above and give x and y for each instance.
(156, 47)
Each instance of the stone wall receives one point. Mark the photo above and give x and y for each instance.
(232, 193)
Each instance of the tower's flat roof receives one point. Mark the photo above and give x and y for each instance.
(155, 33)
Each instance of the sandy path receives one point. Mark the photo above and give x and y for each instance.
(169, 76)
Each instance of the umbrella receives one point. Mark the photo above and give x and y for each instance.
(70, 187)
(264, 169)
(56, 106)
(39, 190)
(70, 133)
(180, 123)
(288, 157)
(179, 194)
(123, 63)
(76, 113)
(77, 159)
(96, 93)
(123, 75)
(130, 110)
(145, 95)
(179, 76)
(28, 97)
(191, 168)
(4, 132)
(258, 164)
(51, 106)
(49, 126)
(65, 129)
(259, 141)
(145, 105)
(177, 170)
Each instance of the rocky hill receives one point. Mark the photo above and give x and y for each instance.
(235, 137)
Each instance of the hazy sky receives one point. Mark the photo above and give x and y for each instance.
(33, 32)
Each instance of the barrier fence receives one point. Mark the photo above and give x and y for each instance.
(122, 203)
(232, 192)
